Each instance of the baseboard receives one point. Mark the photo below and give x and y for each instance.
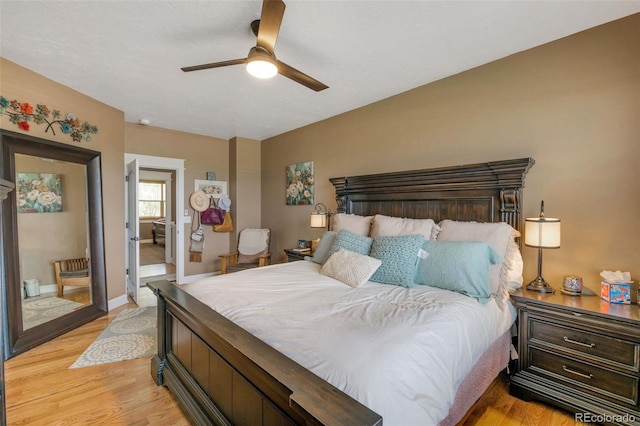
(48, 288)
(118, 301)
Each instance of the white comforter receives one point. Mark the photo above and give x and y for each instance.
(401, 352)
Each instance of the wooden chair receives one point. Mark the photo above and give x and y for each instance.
(71, 272)
(253, 251)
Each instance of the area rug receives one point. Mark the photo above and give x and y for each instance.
(131, 334)
(38, 310)
(151, 254)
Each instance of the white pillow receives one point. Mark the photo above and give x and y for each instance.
(435, 231)
(353, 223)
(497, 235)
(511, 276)
(387, 226)
(353, 269)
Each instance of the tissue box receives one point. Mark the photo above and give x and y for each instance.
(616, 292)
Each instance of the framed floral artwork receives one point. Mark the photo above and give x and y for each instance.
(300, 188)
(213, 188)
(39, 193)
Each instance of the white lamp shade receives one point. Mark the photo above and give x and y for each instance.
(262, 69)
(542, 232)
(318, 220)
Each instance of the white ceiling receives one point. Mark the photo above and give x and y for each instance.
(128, 54)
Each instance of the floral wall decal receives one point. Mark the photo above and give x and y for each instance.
(23, 113)
(300, 184)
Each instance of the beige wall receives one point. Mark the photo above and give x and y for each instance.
(244, 184)
(201, 154)
(573, 105)
(145, 230)
(24, 85)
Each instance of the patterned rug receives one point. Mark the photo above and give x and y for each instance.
(132, 334)
(38, 310)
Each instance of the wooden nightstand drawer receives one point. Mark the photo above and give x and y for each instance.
(607, 349)
(606, 384)
(579, 353)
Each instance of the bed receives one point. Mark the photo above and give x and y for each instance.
(232, 361)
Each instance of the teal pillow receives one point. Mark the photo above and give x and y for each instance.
(352, 242)
(461, 266)
(321, 254)
(399, 256)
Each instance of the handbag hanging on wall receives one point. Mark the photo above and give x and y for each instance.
(197, 241)
(214, 215)
(227, 224)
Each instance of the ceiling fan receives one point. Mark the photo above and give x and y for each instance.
(261, 61)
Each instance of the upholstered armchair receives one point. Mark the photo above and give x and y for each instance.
(253, 251)
(74, 272)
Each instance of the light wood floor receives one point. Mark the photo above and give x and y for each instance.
(41, 390)
(76, 294)
(497, 408)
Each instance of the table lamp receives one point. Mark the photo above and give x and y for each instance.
(321, 217)
(544, 233)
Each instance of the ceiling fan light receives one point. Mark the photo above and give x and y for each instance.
(261, 68)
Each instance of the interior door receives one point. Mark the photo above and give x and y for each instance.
(133, 235)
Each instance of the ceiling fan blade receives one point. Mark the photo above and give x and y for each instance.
(300, 77)
(215, 65)
(270, 20)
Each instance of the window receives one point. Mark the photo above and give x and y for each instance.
(152, 199)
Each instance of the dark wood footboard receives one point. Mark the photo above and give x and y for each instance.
(221, 374)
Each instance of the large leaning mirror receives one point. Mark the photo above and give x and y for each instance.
(53, 240)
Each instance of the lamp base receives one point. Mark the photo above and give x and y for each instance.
(540, 285)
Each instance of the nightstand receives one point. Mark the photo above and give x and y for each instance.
(293, 255)
(579, 353)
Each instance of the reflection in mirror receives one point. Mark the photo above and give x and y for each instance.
(53, 239)
(53, 248)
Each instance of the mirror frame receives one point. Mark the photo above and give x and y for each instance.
(18, 340)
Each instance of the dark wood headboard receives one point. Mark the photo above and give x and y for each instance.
(483, 192)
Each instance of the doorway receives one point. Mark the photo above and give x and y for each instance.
(145, 229)
(156, 213)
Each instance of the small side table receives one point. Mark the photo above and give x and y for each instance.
(294, 255)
